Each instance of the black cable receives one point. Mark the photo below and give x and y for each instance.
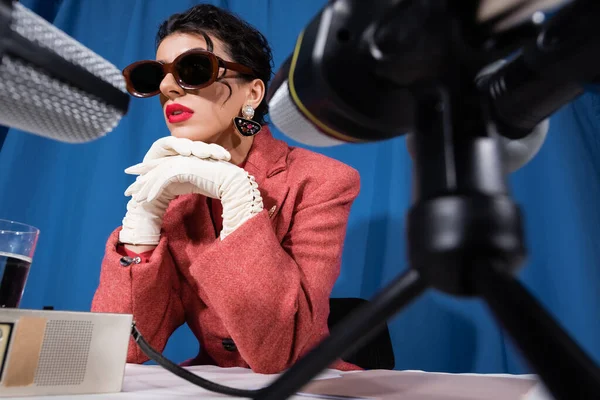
(185, 374)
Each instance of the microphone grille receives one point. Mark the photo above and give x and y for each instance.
(33, 101)
(36, 29)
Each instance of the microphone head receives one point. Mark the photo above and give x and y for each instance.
(37, 102)
(286, 116)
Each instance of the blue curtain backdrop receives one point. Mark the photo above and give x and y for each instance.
(74, 194)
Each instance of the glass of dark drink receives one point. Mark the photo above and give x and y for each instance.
(17, 245)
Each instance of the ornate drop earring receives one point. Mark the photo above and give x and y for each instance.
(244, 124)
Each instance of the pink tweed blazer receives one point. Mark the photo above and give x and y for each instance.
(260, 298)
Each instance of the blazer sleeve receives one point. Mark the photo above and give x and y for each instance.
(148, 290)
(272, 296)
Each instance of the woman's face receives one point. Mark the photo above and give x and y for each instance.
(213, 108)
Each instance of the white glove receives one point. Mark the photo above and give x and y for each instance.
(173, 146)
(164, 179)
(143, 220)
(142, 223)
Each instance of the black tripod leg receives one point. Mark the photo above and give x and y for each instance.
(347, 335)
(563, 366)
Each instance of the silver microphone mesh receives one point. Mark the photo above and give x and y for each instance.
(286, 117)
(33, 101)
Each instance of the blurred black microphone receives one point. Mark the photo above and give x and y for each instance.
(358, 67)
(53, 86)
(326, 93)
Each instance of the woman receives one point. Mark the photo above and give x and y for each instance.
(228, 229)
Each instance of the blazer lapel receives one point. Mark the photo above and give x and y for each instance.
(267, 162)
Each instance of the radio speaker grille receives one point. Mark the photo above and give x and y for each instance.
(63, 359)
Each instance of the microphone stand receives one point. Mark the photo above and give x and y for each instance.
(465, 238)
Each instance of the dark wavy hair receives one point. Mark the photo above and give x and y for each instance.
(244, 43)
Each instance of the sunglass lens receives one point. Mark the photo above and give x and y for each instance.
(194, 69)
(146, 78)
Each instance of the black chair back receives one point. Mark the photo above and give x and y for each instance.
(377, 353)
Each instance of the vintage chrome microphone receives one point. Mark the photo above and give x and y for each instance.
(53, 86)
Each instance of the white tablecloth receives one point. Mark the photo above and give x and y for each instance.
(153, 382)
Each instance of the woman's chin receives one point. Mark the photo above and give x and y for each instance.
(187, 132)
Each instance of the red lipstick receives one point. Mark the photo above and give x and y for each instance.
(177, 113)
